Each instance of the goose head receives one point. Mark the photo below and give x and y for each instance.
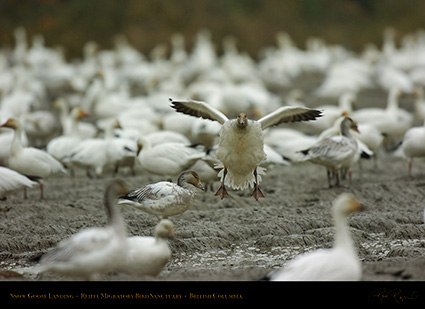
(345, 204)
(191, 178)
(11, 123)
(242, 121)
(164, 229)
(347, 124)
(77, 113)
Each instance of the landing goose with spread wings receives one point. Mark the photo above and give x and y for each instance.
(241, 141)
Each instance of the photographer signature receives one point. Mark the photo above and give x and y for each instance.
(393, 295)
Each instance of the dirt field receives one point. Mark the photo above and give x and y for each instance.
(238, 238)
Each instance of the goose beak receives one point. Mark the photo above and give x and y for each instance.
(200, 186)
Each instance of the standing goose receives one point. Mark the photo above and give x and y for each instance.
(339, 263)
(147, 255)
(30, 161)
(165, 199)
(413, 144)
(167, 159)
(11, 180)
(241, 143)
(335, 152)
(94, 250)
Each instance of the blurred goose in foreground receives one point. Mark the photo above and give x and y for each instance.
(165, 199)
(94, 250)
(30, 161)
(147, 255)
(241, 143)
(335, 152)
(339, 263)
(11, 180)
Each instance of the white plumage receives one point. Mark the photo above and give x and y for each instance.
(413, 145)
(392, 121)
(167, 159)
(94, 250)
(339, 263)
(147, 255)
(335, 152)
(164, 198)
(241, 142)
(11, 181)
(30, 161)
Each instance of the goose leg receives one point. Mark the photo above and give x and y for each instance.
(41, 191)
(337, 179)
(257, 193)
(330, 178)
(222, 192)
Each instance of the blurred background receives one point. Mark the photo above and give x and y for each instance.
(146, 23)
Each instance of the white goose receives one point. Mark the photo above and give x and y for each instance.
(339, 263)
(94, 250)
(392, 121)
(167, 159)
(147, 255)
(413, 144)
(330, 114)
(241, 146)
(30, 161)
(61, 146)
(11, 181)
(335, 152)
(165, 199)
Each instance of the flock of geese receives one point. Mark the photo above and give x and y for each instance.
(140, 117)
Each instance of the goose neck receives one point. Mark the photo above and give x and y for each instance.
(115, 218)
(342, 234)
(16, 145)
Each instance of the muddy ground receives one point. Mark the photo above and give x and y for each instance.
(238, 238)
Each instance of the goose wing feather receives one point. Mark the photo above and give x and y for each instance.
(151, 192)
(198, 109)
(287, 114)
(79, 245)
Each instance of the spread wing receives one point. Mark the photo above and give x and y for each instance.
(198, 109)
(289, 114)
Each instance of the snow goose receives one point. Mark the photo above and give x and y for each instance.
(241, 146)
(90, 154)
(61, 146)
(419, 103)
(339, 263)
(28, 160)
(288, 142)
(94, 250)
(165, 199)
(98, 153)
(11, 180)
(147, 255)
(165, 136)
(330, 114)
(40, 126)
(167, 159)
(391, 121)
(413, 145)
(71, 121)
(335, 152)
